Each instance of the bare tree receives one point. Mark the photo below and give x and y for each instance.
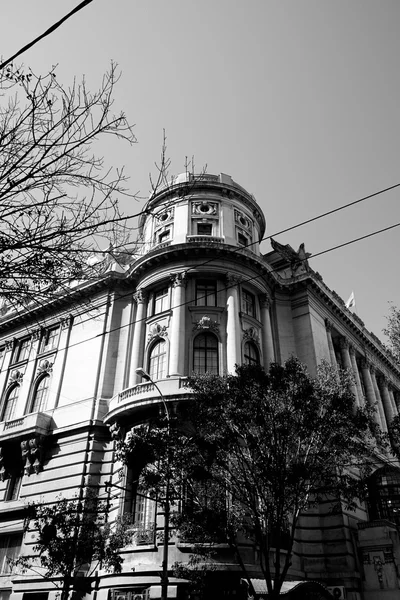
(57, 197)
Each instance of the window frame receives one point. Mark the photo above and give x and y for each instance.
(23, 344)
(208, 226)
(44, 394)
(44, 342)
(160, 359)
(205, 297)
(7, 398)
(209, 355)
(4, 547)
(248, 304)
(165, 302)
(247, 358)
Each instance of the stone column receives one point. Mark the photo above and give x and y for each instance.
(386, 399)
(378, 399)
(177, 336)
(369, 389)
(232, 325)
(267, 339)
(394, 403)
(329, 327)
(138, 336)
(346, 360)
(360, 395)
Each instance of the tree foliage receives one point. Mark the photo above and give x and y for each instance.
(73, 539)
(256, 450)
(392, 331)
(58, 199)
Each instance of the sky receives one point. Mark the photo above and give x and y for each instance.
(297, 100)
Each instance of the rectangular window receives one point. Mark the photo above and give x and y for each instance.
(204, 228)
(10, 548)
(242, 239)
(49, 339)
(144, 519)
(161, 300)
(206, 293)
(164, 236)
(22, 350)
(248, 304)
(13, 487)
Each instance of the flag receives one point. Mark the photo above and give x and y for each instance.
(351, 302)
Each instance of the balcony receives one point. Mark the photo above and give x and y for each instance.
(34, 423)
(143, 396)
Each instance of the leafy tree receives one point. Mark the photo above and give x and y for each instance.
(392, 331)
(73, 540)
(58, 199)
(253, 452)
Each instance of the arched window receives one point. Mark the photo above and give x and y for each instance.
(10, 403)
(251, 354)
(205, 354)
(157, 360)
(40, 394)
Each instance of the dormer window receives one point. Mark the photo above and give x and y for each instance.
(164, 236)
(204, 228)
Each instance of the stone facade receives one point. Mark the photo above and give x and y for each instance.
(196, 295)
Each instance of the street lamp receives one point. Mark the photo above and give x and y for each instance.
(164, 575)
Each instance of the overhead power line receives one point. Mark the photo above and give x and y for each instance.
(46, 33)
(187, 302)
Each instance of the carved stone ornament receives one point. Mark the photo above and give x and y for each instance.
(66, 322)
(3, 473)
(265, 300)
(157, 330)
(140, 296)
(206, 323)
(115, 431)
(251, 334)
(232, 279)
(16, 376)
(242, 220)
(32, 454)
(178, 279)
(36, 335)
(328, 325)
(165, 216)
(204, 208)
(45, 366)
(9, 344)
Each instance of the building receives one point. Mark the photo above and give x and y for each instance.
(196, 295)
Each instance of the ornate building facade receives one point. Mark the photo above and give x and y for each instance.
(197, 295)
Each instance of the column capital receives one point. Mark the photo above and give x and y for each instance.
(178, 279)
(233, 279)
(328, 324)
(365, 363)
(344, 343)
(265, 300)
(140, 296)
(352, 350)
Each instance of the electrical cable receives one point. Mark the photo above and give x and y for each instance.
(46, 33)
(191, 300)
